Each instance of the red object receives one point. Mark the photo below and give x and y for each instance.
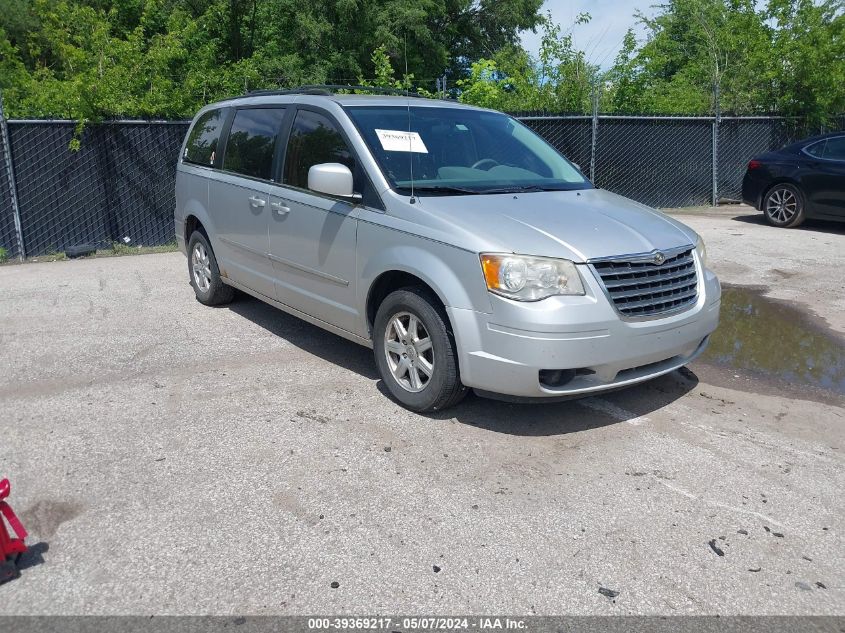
(10, 548)
(755, 164)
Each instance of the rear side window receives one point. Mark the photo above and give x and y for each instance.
(252, 140)
(201, 147)
(314, 139)
(816, 149)
(835, 148)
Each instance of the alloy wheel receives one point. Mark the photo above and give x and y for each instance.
(782, 205)
(201, 267)
(409, 352)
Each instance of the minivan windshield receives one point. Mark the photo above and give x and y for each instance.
(460, 151)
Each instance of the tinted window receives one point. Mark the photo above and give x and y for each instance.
(314, 139)
(201, 147)
(816, 149)
(835, 148)
(252, 139)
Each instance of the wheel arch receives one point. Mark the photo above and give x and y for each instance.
(448, 389)
(452, 275)
(196, 215)
(192, 223)
(390, 281)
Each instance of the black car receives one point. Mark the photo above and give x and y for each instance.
(802, 180)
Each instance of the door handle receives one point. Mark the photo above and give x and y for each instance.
(255, 201)
(280, 209)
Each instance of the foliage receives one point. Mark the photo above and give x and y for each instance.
(787, 57)
(4, 255)
(117, 249)
(559, 80)
(809, 56)
(385, 76)
(92, 59)
(89, 59)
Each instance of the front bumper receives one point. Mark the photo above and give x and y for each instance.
(504, 351)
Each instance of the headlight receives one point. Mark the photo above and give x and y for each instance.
(701, 251)
(527, 278)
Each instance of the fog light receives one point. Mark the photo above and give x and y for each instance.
(556, 377)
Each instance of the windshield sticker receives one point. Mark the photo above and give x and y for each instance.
(398, 141)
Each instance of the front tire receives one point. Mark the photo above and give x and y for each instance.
(783, 206)
(205, 274)
(415, 351)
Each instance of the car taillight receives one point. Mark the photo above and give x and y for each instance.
(755, 164)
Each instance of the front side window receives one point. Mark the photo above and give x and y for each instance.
(252, 141)
(455, 151)
(314, 139)
(201, 147)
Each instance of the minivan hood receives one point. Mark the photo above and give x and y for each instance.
(577, 225)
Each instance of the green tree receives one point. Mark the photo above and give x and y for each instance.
(786, 57)
(621, 86)
(808, 45)
(88, 59)
(560, 79)
(383, 74)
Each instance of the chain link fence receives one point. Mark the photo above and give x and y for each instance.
(119, 185)
(670, 162)
(659, 162)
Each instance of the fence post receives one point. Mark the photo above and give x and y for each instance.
(716, 121)
(13, 188)
(595, 133)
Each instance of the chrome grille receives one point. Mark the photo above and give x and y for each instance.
(640, 288)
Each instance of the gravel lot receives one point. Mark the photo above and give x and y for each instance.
(173, 458)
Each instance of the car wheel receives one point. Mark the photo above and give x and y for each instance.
(415, 351)
(784, 206)
(205, 275)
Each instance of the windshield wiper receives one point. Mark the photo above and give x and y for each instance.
(447, 189)
(442, 189)
(521, 189)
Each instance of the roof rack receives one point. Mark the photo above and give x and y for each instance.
(330, 89)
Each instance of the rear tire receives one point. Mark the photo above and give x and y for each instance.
(783, 206)
(205, 274)
(415, 351)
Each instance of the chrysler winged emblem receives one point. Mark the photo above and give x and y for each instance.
(659, 258)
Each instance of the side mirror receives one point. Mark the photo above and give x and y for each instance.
(333, 179)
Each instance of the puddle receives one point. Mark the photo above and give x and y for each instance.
(773, 340)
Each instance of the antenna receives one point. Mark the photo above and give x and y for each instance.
(408, 104)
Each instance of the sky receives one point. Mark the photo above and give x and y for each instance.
(601, 39)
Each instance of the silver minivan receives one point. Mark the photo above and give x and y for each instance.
(454, 241)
